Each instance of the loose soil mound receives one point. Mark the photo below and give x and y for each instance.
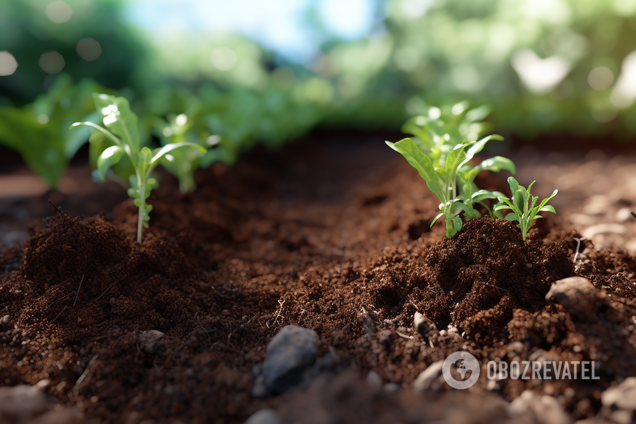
(270, 243)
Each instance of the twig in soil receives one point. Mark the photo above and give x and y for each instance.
(277, 315)
(107, 288)
(85, 373)
(58, 315)
(78, 290)
(404, 336)
(578, 244)
(58, 208)
(507, 291)
(56, 300)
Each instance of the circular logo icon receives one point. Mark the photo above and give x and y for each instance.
(461, 370)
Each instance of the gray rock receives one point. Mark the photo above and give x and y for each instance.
(622, 396)
(424, 326)
(264, 416)
(545, 409)
(577, 295)
(594, 230)
(428, 377)
(374, 379)
(259, 389)
(149, 339)
(21, 403)
(289, 353)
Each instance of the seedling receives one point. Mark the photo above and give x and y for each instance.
(122, 123)
(523, 206)
(442, 177)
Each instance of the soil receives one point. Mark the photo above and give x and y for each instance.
(332, 236)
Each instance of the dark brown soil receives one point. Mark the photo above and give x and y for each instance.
(332, 237)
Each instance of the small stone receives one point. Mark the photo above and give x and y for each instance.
(622, 396)
(259, 389)
(430, 375)
(624, 215)
(21, 403)
(264, 416)
(577, 295)
(5, 319)
(597, 229)
(289, 353)
(424, 326)
(374, 379)
(391, 388)
(546, 409)
(149, 339)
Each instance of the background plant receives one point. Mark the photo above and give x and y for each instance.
(441, 155)
(116, 115)
(523, 206)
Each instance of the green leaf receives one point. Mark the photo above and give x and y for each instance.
(439, 215)
(547, 208)
(118, 118)
(159, 153)
(108, 158)
(415, 157)
(511, 217)
(40, 145)
(496, 164)
(478, 146)
(104, 131)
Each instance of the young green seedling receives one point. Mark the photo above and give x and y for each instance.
(122, 123)
(523, 206)
(442, 177)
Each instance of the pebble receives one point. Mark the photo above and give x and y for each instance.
(597, 229)
(289, 353)
(423, 325)
(21, 403)
(430, 375)
(624, 215)
(577, 295)
(546, 409)
(264, 416)
(622, 396)
(374, 379)
(149, 339)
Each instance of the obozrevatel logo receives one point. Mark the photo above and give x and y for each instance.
(462, 365)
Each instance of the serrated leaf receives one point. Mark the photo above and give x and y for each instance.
(108, 158)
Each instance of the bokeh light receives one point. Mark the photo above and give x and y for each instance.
(52, 62)
(224, 59)
(88, 49)
(59, 12)
(8, 64)
(600, 78)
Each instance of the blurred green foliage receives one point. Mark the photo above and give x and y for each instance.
(543, 66)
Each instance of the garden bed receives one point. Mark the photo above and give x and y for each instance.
(330, 236)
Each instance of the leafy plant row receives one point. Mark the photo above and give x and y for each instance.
(444, 144)
(223, 122)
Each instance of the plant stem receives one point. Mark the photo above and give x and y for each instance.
(142, 190)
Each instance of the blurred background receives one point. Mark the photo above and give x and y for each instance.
(248, 72)
(232, 75)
